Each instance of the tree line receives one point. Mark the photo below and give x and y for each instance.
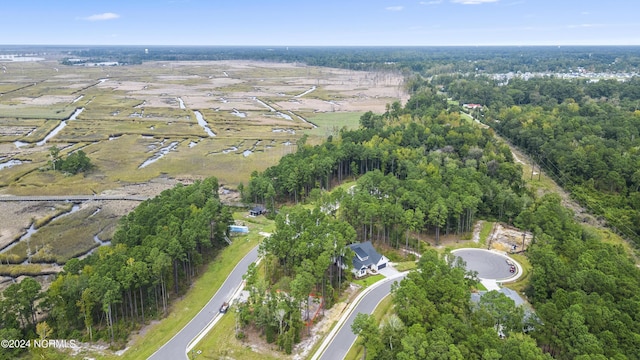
(302, 265)
(427, 60)
(414, 172)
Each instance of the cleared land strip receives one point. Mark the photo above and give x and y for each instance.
(73, 198)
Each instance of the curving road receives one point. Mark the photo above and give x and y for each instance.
(335, 346)
(176, 348)
(343, 339)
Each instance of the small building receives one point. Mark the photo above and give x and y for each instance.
(472, 106)
(257, 210)
(366, 259)
(239, 229)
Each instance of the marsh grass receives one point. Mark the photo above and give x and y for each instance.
(66, 237)
(331, 123)
(26, 270)
(54, 111)
(59, 210)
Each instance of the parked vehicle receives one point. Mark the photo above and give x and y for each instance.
(224, 307)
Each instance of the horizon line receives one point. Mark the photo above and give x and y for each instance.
(343, 46)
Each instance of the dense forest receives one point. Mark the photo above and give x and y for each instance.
(586, 135)
(414, 174)
(156, 252)
(584, 290)
(424, 165)
(434, 319)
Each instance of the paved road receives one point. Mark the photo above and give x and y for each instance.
(488, 264)
(344, 339)
(72, 198)
(176, 347)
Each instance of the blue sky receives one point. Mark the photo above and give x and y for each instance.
(320, 23)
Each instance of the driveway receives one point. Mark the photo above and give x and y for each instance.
(389, 271)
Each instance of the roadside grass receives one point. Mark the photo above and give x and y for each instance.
(368, 281)
(478, 286)
(523, 282)
(221, 343)
(184, 309)
(381, 312)
(485, 230)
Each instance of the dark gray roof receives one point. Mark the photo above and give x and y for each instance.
(366, 255)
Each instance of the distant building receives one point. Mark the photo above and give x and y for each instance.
(472, 106)
(366, 258)
(258, 210)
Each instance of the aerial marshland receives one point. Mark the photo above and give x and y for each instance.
(145, 128)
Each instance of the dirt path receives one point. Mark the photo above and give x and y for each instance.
(529, 166)
(580, 213)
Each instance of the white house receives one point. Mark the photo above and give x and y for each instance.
(366, 258)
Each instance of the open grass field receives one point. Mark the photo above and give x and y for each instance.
(146, 122)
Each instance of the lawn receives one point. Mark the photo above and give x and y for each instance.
(369, 280)
(406, 266)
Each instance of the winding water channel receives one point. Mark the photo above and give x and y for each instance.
(159, 155)
(202, 122)
(32, 230)
(59, 128)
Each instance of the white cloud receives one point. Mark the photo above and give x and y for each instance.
(102, 17)
(582, 26)
(473, 2)
(394, 8)
(432, 2)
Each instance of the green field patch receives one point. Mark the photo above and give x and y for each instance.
(54, 111)
(331, 123)
(369, 280)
